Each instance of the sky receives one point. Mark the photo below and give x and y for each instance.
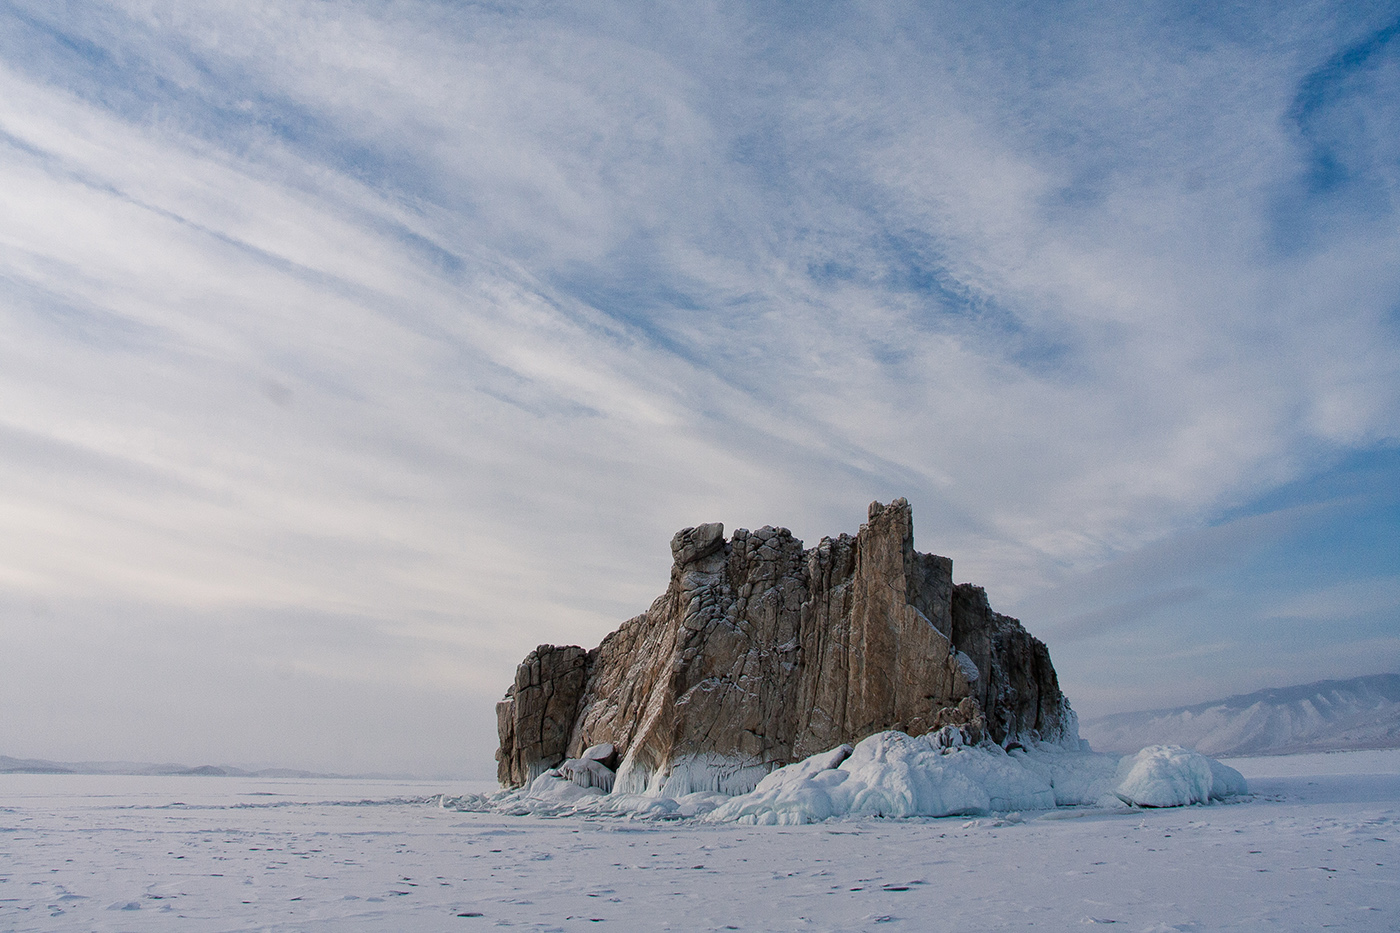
(350, 350)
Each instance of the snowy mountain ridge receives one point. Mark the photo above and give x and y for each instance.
(1329, 715)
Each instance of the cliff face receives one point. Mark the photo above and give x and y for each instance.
(761, 653)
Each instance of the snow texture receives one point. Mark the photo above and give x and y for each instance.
(1315, 847)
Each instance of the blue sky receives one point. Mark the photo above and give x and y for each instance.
(348, 351)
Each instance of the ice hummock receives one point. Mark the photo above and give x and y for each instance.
(891, 774)
(1172, 776)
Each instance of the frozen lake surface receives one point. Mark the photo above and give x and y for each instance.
(1317, 845)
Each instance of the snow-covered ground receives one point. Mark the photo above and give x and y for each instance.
(1318, 844)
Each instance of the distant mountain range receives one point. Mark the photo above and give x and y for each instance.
(10, 765)
(1330, 715)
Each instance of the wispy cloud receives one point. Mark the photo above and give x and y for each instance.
(438, 319)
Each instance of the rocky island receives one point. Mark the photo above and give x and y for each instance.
(762, 652)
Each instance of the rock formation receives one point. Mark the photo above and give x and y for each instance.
(761, 653)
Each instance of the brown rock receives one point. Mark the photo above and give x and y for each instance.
(537, 715)
(761, 653)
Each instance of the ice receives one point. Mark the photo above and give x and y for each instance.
(1078, 778)
(691, 774)
(552, 794)
(554, 788)
(1172, 776)
(1163, 776)
(892, 774)
(1315, 847)
(1226, 781)
(588, 773)
(889, 774)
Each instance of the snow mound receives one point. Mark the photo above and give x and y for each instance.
(1172, 776)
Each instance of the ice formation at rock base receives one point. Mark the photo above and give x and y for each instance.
(892, 774)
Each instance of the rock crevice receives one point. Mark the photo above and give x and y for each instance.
(761, 653)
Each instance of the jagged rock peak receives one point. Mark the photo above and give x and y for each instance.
(761, 652)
